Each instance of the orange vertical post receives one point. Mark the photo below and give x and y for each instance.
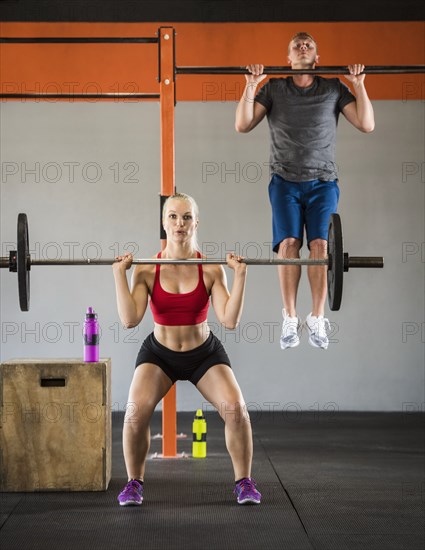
(166, 90)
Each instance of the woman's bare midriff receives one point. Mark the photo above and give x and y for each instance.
(182, 338)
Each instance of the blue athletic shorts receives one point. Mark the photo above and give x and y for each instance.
(298, 204)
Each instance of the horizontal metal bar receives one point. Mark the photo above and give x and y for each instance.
(373, 69)
(354, 261)
(79, 40)
(111, 95)
(366, 261)
(189, 261)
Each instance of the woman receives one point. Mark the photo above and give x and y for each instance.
(182, 347)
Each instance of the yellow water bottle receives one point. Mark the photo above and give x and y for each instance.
(199, 429)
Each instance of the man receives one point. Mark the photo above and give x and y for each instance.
(302, 112)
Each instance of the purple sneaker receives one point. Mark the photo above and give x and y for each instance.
(246, 492)
(132, 494)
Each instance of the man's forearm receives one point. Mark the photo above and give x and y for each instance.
(364, 108)
(245, 109)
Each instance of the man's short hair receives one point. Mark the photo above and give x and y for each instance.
(302, 36)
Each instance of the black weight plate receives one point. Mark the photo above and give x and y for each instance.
(24, 264)
(336, 265)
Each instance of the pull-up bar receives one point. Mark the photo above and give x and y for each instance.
(100, 95)
(373, 69)
(79, 40)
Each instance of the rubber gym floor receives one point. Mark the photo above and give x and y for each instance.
(343, 481)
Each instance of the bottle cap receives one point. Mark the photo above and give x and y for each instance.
(199, 414)
(91, 313)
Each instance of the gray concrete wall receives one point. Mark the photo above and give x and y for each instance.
(88, 176)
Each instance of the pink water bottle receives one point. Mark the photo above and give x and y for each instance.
(91, 337)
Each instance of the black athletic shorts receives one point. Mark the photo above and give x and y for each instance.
(183, 365)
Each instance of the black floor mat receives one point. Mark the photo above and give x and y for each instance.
(347, 482)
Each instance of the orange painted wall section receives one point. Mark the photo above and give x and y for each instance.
(94, 68)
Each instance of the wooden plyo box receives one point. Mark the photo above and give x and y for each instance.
(55, 425)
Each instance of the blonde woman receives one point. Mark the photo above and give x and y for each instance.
(181, 346)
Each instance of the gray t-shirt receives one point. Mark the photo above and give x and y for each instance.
(302, 124)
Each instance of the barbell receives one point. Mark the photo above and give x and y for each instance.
(337, 262)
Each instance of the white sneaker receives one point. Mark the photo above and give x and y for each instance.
(317, 329)
(291, 330)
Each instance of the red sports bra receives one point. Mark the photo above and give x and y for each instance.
(189, 308)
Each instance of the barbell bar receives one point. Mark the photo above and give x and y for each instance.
(337, 262)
